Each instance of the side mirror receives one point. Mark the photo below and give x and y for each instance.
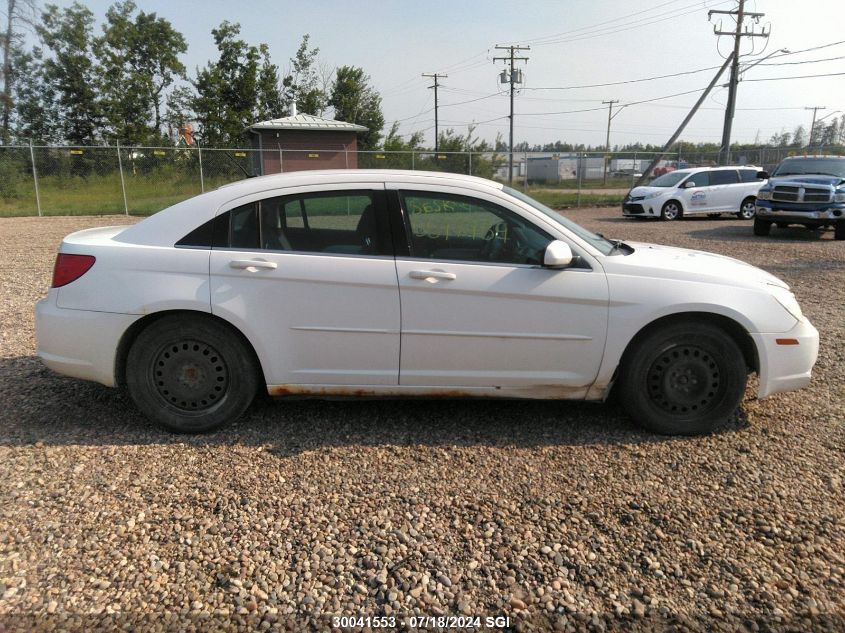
(558, 255)
(689, 184)
(762, 175)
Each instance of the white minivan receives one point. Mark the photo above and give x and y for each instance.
(709, 190)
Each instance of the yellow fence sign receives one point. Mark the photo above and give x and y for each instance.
(77, 152)
(240, 154)
(313, 156)
(159, 152)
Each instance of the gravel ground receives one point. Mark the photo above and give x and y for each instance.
(556, 515)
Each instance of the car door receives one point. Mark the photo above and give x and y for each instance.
(698, 199)
(726, 190)
(478, 308)
(308, 275)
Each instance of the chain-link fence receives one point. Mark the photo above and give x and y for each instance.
(42, 180)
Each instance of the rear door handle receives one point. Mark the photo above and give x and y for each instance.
(432, 274)
(246, 264)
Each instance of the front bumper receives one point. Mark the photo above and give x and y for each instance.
(639, 208)
(79, 343)
(811, 214)
(784, 364)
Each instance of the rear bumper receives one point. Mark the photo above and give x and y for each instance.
(79, 343)
(786, 367)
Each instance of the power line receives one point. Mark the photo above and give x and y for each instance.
(796, 77)
(626, 81)
(637, 24)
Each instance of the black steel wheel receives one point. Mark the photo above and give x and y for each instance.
(684, 378)
(190, 373)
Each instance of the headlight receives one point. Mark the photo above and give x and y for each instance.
(764, 194)
(786, 299)
(654, 194)
(839, 196)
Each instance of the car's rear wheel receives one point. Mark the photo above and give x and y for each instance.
(762, 227)
(671, 211)
(190, 375)
(839, 230)
(684, 379)
(748, 209)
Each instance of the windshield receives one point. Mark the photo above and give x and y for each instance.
(817, 166)
(669, 180)
(600, 243)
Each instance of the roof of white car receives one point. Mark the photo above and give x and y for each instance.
(691, 170)
(169, 225)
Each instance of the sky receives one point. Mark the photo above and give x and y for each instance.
(573, 43)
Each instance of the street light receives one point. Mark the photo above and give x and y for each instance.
(782, 50)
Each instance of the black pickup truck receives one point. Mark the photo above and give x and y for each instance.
(807, 190)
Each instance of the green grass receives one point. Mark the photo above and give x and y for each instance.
(101, 195)
(562, 200)
(147, 194)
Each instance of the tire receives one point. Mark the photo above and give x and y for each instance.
(762, 227)
(839, 230)
(748, 209)
(671, 211)
(683, 379)
(190, 374)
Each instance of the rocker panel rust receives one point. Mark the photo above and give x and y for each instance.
(532, 392)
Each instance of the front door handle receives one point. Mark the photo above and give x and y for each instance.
(432, 274)
(246, 264)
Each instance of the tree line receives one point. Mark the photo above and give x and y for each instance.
(129, 84)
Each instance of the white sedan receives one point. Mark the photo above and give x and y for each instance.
(396, 283)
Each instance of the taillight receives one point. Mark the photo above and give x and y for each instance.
(69, 268)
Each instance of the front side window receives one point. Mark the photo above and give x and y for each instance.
(461, 228)
(723, 177)
(668, 180)
(331, 222)
(701, 179)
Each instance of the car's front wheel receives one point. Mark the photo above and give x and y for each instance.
(762, 227)
(190, 374)
(683, 379)
(748, 209)
(671, 211)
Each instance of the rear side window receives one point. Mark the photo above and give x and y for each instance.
(748, 175)
(724, 177)
(347, 223)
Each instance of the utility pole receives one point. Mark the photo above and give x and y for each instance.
(813, 124)
(739, 14)
(607, 141)
(436, 77)
(513, 77)
(683, 124)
